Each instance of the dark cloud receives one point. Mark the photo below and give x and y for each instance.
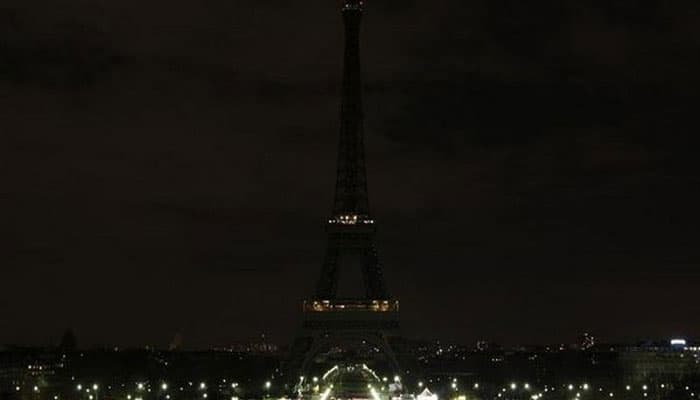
(177, 159)
(64, 55)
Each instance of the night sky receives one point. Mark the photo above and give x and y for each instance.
(166, 166)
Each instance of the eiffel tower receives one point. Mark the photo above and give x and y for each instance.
(333, 319)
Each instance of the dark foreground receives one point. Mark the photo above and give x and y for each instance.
(605, 371)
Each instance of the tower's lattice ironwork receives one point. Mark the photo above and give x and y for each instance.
(351, 181)
(351, 228)
(369, 319)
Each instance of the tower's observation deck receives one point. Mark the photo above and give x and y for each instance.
(351, 219)
(353, 5)
(353, 305)
(348, 315)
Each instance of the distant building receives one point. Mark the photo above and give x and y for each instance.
(586, 341)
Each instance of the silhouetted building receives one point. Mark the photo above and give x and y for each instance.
(68, 342)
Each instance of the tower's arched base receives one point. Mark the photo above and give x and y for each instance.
(345, 332)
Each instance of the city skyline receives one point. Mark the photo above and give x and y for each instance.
(531, 168)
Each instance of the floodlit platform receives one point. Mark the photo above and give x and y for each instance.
(386, 306)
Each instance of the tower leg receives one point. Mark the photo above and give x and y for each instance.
(372, 271)
(328, 283)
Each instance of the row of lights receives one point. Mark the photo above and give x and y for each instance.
(514, 386)
(163, 386)
(350, 220)
(268, 385)
(141, 386)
